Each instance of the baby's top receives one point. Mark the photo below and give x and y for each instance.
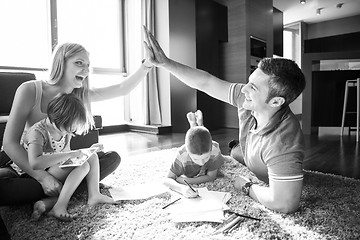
(184, 165)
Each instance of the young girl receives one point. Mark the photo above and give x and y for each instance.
(48, 145)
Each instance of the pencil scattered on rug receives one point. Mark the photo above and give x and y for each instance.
(329, 210)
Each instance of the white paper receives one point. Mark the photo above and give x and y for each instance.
(208, 207)
(139, 191)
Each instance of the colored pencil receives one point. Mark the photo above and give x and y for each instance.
(170, 203)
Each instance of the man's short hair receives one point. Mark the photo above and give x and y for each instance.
(198, 140)
(286, 78)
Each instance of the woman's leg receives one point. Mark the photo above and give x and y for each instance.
(108, 162)
(14, 189)
(20, 190)
(92, 179)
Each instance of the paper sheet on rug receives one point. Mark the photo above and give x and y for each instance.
(210, 216)
(208, 207)
(139, 191)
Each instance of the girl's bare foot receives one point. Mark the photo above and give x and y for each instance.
(42, 206)
(199, 118)
(191, 119)
(61, 215)
(100, 198)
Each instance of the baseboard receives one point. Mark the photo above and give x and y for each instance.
(152, 129)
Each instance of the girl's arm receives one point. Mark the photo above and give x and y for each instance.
(123, 88)
(23, 103)
(38, 160)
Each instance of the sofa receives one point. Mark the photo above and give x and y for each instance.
(9, 82)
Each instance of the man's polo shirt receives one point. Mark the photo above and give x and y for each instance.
(277, 150)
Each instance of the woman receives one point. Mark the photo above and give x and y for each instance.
(69, 74)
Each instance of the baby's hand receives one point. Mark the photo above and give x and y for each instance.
(188, 192)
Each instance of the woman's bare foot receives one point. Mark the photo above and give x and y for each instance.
(199, 118)
(62, 215)
(191, 119)
(100, 198)
(42, 206)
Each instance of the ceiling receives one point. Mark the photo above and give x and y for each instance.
(293, 11)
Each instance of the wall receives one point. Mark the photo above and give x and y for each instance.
(234, 63)
(245, 18)
(334, 27)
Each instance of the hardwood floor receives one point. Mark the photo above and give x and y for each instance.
(327, 152)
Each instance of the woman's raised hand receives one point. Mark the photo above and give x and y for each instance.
(153, 50)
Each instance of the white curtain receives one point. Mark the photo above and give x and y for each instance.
(152, 102)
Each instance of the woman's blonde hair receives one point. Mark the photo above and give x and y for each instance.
(60, 55)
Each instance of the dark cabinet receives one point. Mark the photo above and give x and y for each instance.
(211, 31)
(328, 88)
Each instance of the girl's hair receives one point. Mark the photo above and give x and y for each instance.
(198, 140)
(60, 55)
(286, 78)
(67, 111)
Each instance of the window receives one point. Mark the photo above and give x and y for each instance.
(96, 25)
(30, 29)
(25, 28)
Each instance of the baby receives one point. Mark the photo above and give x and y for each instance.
(197, 161)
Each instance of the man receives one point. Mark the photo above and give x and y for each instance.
(271, 142)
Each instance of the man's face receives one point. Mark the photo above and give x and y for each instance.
(256, 92)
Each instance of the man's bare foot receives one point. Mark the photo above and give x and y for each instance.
(42, 206)
(61, 215)
(199, 118)
(100, 198)
(191, 119)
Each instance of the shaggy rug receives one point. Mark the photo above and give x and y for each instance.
(329, 209)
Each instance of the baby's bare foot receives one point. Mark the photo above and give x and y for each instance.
(199, 118)
(100, 198)
(191, 119)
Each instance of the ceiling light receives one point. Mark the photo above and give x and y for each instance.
(302, 1)
(318, 11)
(339, 5)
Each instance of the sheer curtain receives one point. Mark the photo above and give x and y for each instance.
(152, 103)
